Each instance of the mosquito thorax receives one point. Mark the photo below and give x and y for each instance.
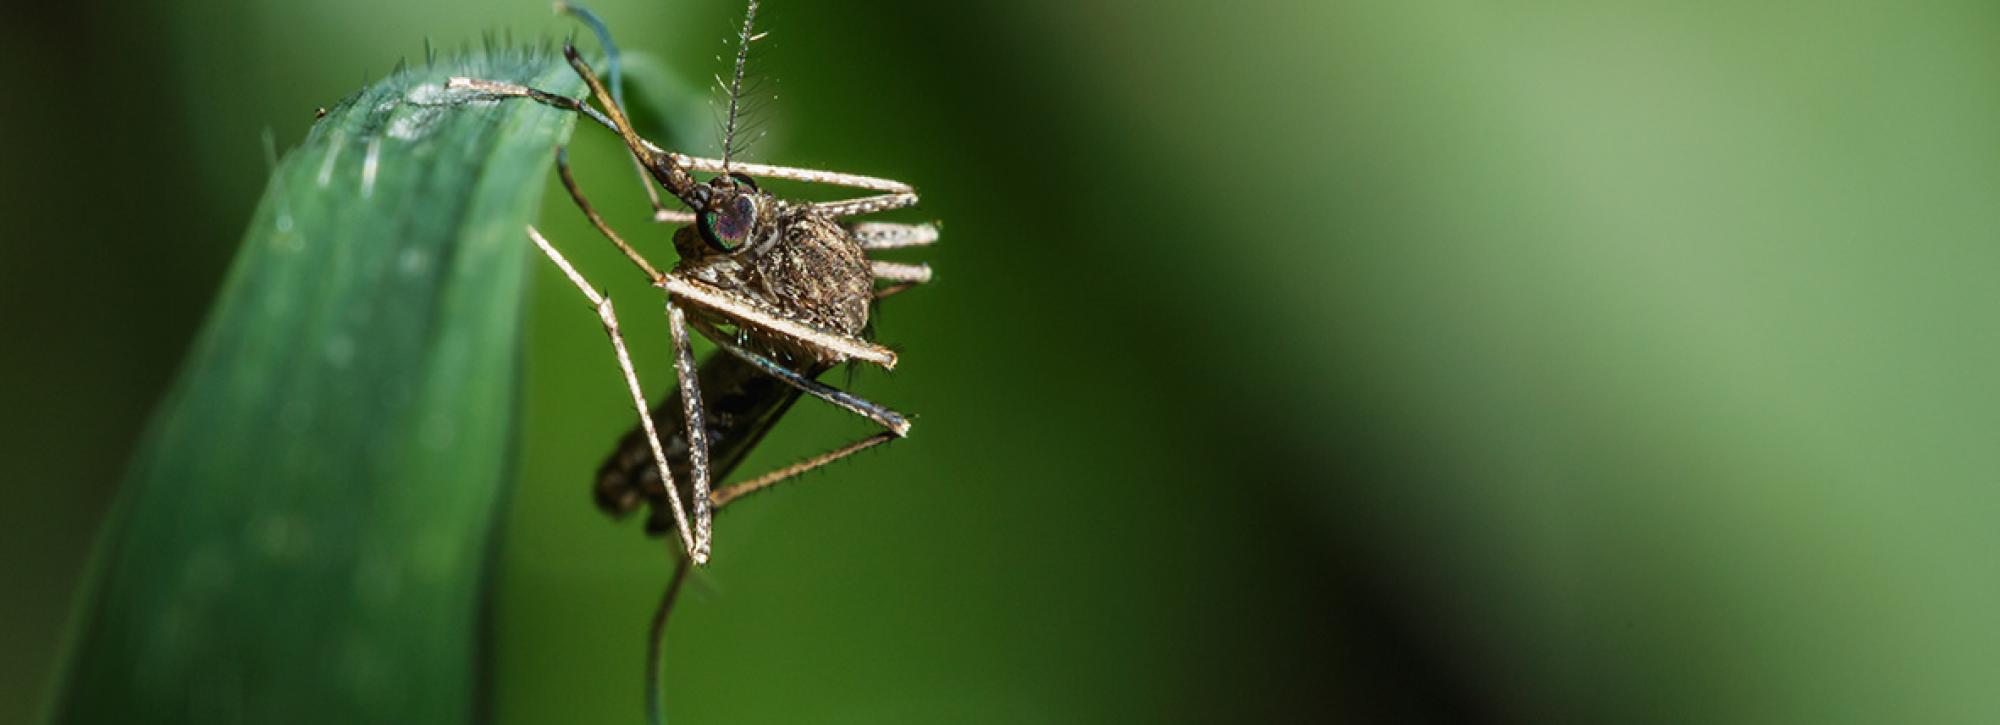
(801, 265)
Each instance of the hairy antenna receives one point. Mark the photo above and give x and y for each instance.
(743, 41)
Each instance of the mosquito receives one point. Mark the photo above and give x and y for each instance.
(782, 287)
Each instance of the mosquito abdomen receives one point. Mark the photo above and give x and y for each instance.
(740, 403)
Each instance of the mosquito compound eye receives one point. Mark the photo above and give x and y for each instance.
(727, 228)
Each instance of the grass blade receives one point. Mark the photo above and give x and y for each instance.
(306, 532)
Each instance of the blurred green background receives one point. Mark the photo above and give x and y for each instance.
(1433, 361)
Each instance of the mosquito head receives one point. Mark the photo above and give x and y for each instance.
(731, 213)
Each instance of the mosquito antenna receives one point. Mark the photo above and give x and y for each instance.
(743, 41)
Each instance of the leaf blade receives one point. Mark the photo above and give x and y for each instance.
(306, 532)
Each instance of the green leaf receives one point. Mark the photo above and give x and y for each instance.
(307, 532)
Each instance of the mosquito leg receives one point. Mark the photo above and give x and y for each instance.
(576, 195)
(723, 496)
(663, 166)
(684, 368)
(656, 651)
(867, 204)
(900, 272)
(742, 311)
(504, 89)
(893, 290)
(891, 420)
(885, 235)
(697, 437)
(793, 173)
(645, 150)
(647, 155)
(610, 319)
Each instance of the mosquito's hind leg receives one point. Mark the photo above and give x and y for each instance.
(605, 313)
(656, 651)
(792, 173)
(724, 495)
(867, 204)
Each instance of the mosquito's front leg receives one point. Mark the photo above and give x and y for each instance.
(697, 432)
(503, 89)
(675, 166)
(788, 173)
(867, 204)
(596, 220)
(670, 174)
(718, 301)
(699, 554)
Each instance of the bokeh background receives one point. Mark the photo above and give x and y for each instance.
(1429, 361)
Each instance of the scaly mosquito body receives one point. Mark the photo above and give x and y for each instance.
(740, 403)
(822, 276)
(783, 288)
